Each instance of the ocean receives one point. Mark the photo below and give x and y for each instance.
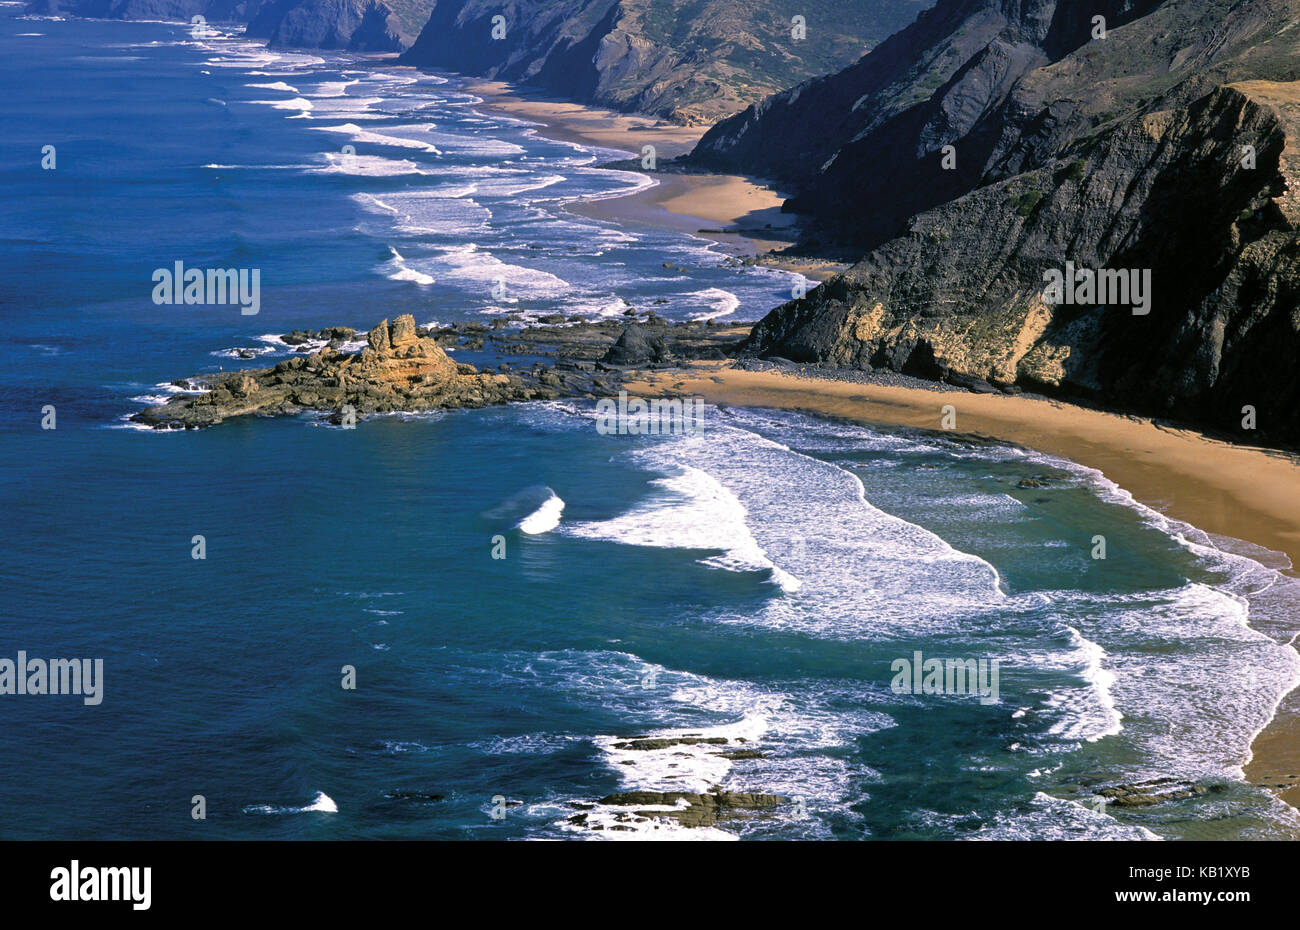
(513, 593)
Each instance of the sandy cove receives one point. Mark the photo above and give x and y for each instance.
(1233, 490)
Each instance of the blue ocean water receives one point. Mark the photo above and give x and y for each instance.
(754, 581)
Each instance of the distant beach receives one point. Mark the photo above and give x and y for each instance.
(742, 214)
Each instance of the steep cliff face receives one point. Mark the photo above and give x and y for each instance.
(1201, 199)
(862, 148)
(1163, 145)
(688, 60)
(356, 25)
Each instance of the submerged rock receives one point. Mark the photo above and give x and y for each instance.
(1154, 792)
(694, 810)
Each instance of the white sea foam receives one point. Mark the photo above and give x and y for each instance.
(472, 265)
(237, 350)
(398, 270)
(721, 303)
(372, 166)
(322, 803)
(1188, 675)
(861, 571)
(545, 518)
(697, 512)
(301, 104)
(331, 89)
(357, 134)
(443, 211)
(1043, 818)
(1088, 713)
(501, 187)
(786, 729)
(275, 85)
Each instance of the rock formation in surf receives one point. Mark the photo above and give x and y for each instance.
(398, 370)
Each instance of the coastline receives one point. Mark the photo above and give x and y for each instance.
(741, 214)
(1181, 473)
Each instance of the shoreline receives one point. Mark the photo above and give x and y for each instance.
(1180, 473)
(1177, 472)
(741, 214)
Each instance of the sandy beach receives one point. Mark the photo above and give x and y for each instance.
(1238, 491)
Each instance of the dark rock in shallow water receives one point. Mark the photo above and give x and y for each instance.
(1155, 792)
(635, 346)
(646, 744)
(700, 810)
(412, 796)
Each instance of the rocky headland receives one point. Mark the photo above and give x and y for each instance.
(406, 368)
(990, 144)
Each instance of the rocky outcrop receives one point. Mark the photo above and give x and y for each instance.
(398, 370)
(636, 346)
(687, 60)
(1157, 791)
(690, 809)
(963, 291)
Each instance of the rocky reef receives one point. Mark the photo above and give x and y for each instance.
(685, 808)
(405, 368)
(398, 370)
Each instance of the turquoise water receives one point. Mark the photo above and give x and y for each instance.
(757, 580)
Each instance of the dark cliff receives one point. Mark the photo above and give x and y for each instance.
(1167, 148)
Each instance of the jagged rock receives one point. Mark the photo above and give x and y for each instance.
(1154, 792)
(402, 333)
(378, 340)
(244, 385)
(649, 743)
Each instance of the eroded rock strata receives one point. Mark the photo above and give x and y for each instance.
(1168, 148)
